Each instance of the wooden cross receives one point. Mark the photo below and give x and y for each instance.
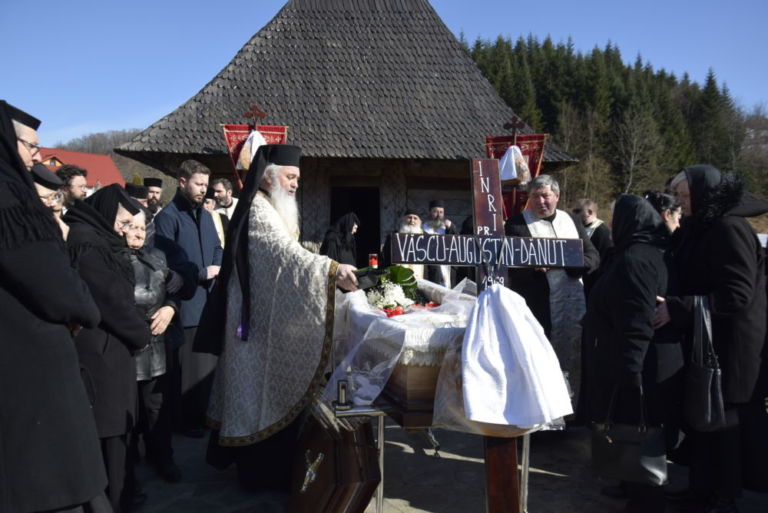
(515, 125)
(492, 252)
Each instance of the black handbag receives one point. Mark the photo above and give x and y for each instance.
(703, 406)
(629, 452)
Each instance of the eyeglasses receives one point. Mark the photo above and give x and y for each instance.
(33, 148)
(576, 211)
(54, 197)
(124, 225)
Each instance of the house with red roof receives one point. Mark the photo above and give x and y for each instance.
(102, 170)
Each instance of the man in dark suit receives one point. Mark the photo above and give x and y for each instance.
(185, 231)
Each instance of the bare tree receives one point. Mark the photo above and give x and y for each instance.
(636, 143)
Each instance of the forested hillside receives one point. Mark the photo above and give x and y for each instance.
(630, 126)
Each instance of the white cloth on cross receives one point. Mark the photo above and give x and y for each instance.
(510, 372)
(513, 166)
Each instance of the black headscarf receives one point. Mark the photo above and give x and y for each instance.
(712, 194)
(635, 220)
(24, 217)
(210, 332)
(343, 226)
(99, 212)
(715, 194)
(12, 168)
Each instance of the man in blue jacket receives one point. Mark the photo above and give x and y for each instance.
(185, 231)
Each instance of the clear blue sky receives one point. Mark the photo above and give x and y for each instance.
(85, 66)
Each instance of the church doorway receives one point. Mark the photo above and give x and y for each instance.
(363, 201)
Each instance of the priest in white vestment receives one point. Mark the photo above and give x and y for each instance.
(555, 296)
(278, 310)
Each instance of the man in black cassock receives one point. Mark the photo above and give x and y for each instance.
(555, 296)
(50, 458)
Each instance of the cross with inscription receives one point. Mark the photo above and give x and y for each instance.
(492, 253)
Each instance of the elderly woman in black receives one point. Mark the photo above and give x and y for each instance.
(719, 256)
(628, 363)
(100, 255)
(150, 293)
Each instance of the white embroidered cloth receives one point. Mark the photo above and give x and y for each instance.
(510, 372)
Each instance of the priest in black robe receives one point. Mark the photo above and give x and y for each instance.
(555, 296)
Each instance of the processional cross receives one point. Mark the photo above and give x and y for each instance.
(492, 253)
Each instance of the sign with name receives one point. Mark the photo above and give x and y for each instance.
(496, 251)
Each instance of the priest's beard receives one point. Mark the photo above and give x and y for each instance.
(286, 206)
(407, 228)
(436, 224)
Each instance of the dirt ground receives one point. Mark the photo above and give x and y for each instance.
(416, 480)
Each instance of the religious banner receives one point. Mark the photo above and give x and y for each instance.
(495, 147)
(235, 136)
(532, 147)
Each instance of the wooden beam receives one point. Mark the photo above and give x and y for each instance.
(502, 485)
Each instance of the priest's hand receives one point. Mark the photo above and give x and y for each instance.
(345, 277)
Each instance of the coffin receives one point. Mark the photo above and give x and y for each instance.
(411, 390)
(413, 345)
(335, 470)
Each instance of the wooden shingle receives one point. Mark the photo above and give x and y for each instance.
(353, 79)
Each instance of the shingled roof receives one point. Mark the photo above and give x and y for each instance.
(352, 79)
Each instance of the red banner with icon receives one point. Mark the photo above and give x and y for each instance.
(235, 136)
(495, 147)
(532, 147)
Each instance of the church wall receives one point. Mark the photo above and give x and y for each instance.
(402, 184)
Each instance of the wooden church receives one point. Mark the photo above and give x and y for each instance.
(384, 101)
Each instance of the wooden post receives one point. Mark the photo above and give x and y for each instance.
(502, 485)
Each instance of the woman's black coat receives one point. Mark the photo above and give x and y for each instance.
(49, 450)
(619, 323)
(720, 256)
(105, 351)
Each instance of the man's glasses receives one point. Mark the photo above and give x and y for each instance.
(33, 148)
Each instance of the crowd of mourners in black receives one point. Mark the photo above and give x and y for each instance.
(88, 300)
